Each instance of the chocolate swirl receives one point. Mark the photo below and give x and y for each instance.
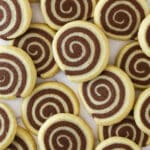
(126, 128)
(18, 144)
(122, 17)
(60, 12)
(4, 125)
(79, 50)
(106, 91)
(46, 103)
(65, 135)
(13, 75)
(37, 43)
(10, 17)
(118, 146)
(144, 113)
(137, 65)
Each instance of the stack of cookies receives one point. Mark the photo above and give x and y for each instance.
(74, 40)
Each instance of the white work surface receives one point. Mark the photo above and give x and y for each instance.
(16, 104)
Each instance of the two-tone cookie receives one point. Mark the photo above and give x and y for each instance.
(119, 143)
(59, 12)
(142, 111)
(81, 50)
(65, 131)
(109, 97)
(17, 73)
(46, 100)
(126, 128)
(144, 35)
(37, 42)
(8, 126)
(120, 19)
(23, 140)
(136, 64)
(15, 18)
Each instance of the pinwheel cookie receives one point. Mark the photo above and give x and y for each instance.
(65, 131)
(136, 64)
(144, 36)
(17, 73)
(119, 143)
(15, 18)
(126, 128)
(37, 42)
(142, 111)
(109, 97)
(120, 19)
(59, 12)
(23, 140)
(46, 100)
(81, 50)
(8, 126)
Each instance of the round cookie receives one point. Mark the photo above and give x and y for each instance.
(59, 12)
(144, 36)
(37, 42)
(46, 100)
(120, 19)
(8, 126)
(65, 131)
(119, 143)
(136, 64)
(109, 97)
(81, 50)
(126, 128)
(23, 140)
(17, 73)
(15, 18)
(142, 111)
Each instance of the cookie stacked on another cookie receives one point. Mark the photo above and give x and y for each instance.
(65, 131)
(47, 100)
